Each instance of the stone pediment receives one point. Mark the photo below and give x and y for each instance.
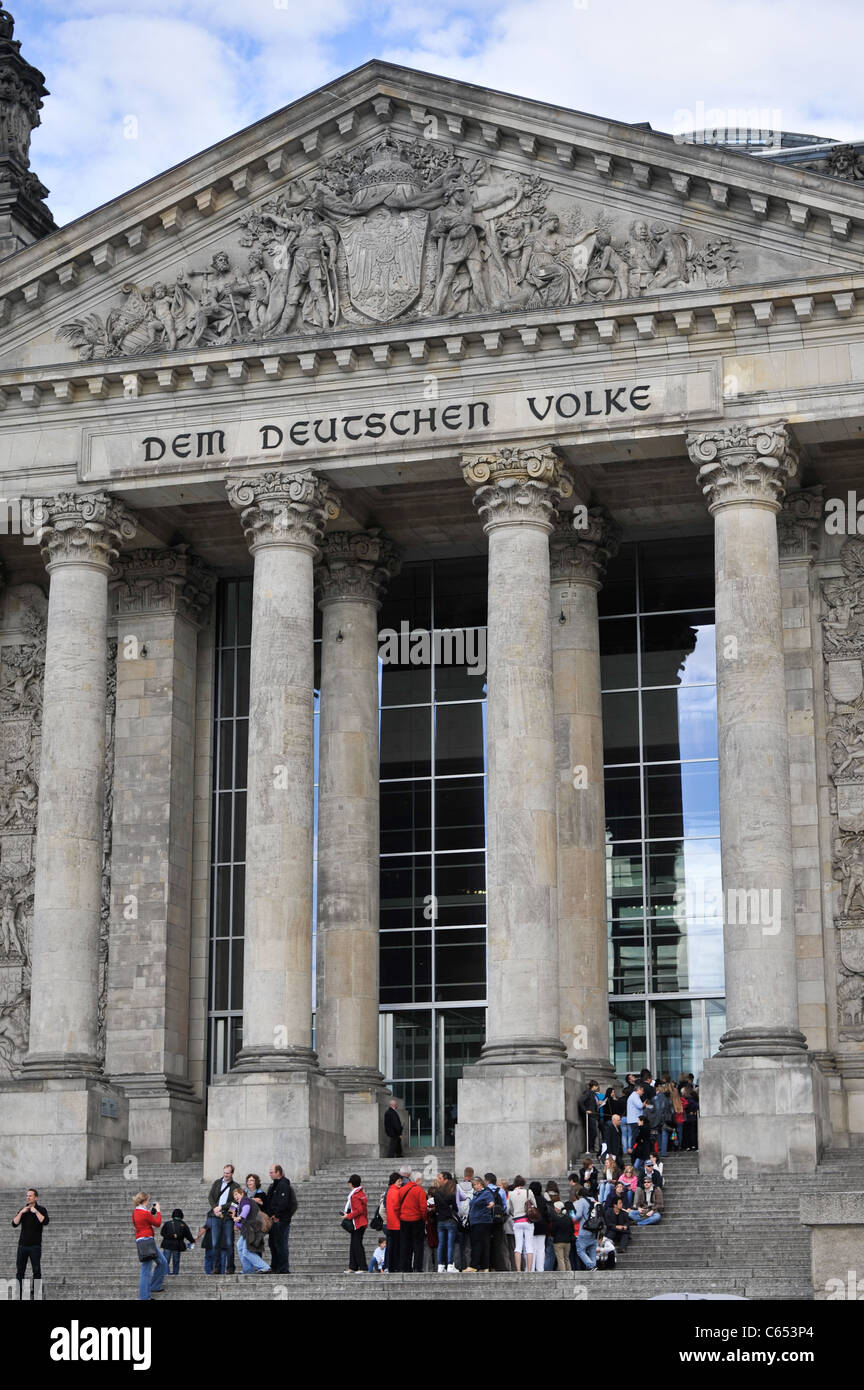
(404, 198)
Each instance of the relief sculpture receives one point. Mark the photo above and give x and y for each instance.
(395, 232)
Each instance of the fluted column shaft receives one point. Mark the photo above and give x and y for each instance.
(80, 540)
(743, 473)
(579, 556)
(516, 491)
(283, 515)
(353, 571)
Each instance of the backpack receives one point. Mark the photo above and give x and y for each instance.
(499, 1211)
(265, 1221)
(595, 1221)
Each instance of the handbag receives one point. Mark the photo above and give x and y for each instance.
(347, 1225)
(265, 1221)
(146, 1247)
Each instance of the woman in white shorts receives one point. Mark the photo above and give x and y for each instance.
(523, 1229)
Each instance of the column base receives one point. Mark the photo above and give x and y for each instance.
(366, 1100)
(166, 1118)
(763, 1042)
(291, 1117)
(762, 1114)
(57, 1132)
(518, 1117)
(59, 1066)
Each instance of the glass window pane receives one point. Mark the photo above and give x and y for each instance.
(621, 728)
(676, 569)
(412, 1045)
(406, 966)
(460, 965)
(460, 591)
(242, 754)
(224, 821)
(406, 892)
(408, 599)
(243, 655)
(684, 879)
(618, 664)
(228, 616)
(679, 724)
(460, 813)
(618, 594)
(405, 685)
(460, 888)
(244, 612)
(405, 816)
(624, 881)
(685, 955)
(239, 825)
(683, 799)
(239, 901)
(459, 738)
(628, 1037)
(226, 683)
(221, 908)
(406, 742)
(678, 649)
(623, 803)
(237, 973)
(627, 958)
(460, 674)
(221, 957)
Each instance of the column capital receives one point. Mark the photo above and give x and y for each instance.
(356, 565)
(517, 486)
(798, 524)
(170, 580)
(283, 508)
(744, 464)
(83, 528)
(581, 545)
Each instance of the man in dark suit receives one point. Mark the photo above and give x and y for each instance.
(393, 1130)
(613, 1139)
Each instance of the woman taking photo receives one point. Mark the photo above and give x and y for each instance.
(154, 1266)
(355, 1220)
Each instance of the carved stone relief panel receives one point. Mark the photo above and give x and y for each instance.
(843, 649)
(400, 230)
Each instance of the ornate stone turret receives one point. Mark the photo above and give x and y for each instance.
(24, 218)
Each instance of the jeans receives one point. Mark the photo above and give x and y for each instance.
(250, 1263)
(172, 1258)
(373, 1267)
(33, 1253)
(446, 1242)
(626, 1134)
(277, 1239)
(551, 1258)
(586, 1249)
(210, 1263)
(662, 1137)
(222, 1244)
(648, 1220)
(152, 1276)
(605, 1189)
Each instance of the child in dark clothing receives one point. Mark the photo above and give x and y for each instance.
(176, 1237)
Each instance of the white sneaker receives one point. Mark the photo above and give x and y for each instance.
(442, 1269)
(451, 1269)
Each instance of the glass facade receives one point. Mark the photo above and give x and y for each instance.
(662, 805)
(662, 820)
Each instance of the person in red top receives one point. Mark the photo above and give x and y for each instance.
(356, 1212)
(392, 1198)
(146, 1220)
(413, 1206)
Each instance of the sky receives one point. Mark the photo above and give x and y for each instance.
(137, 87)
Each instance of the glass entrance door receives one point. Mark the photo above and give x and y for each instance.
(423, 1054)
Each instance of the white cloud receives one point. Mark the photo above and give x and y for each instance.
(194, 71)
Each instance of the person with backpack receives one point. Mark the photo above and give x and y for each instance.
(412, 1218)
(176, 1237)
(250, 1234)
(480, 1221)
(592, 1225)
(500, 1253)
(447, 1220)
(464, 1193)
(280, 1205)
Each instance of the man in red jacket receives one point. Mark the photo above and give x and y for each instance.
(412, 1218)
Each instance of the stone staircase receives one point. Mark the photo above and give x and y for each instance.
(741, 1237)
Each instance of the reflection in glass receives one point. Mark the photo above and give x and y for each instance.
(678, 724)
(678, 649)
(621, 728)
(682, 800)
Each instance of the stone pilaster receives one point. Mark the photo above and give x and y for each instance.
(762, 1068)
(517, 1106)
(68, 1121)
(160, 598)
(581, 545)
(354, 570)
(276, 1100)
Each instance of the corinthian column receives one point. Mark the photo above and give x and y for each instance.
(354, 570)
(762, 1067)
(579, 557)
(80, 541)
(513, 1105)
(275, 1101)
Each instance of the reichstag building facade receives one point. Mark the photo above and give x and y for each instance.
(431, 637)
